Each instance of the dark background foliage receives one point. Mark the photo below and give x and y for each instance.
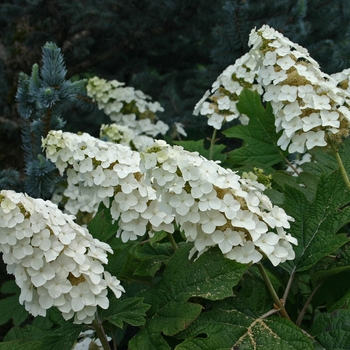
(171, 49)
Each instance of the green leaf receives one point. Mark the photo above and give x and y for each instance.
(211, 277)
(259, 136)
(128, 310)
(321, 276)
(198, 146)
(174, 317)
(152, 257)
(102, 226)
(17, 345)
(63, 337)
(332, 330)
(317, 223)
(226, 328)
(10, 306)
(307, 180)
(325, 162)
(27, 338)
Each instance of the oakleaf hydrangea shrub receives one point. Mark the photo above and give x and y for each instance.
(249, 251)
(55, 261)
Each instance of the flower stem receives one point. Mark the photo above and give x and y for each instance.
(172, 241)
(101, 334)
(212, 143)
(272, 291)
(335, 151)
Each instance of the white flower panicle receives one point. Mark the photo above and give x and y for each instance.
(124, 135)
(129, 108)
(99, 171)
(55, 261)
(216, 207)
(307, 104)
(116, 100)
(219, 103)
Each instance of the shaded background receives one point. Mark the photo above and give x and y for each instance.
(171, 50)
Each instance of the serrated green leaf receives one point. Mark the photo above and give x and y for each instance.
(147, 340)
(102, 226)
(174, 317)
(226, 328)
(63, 337)
(332, 330)
(26, 333)
(17, 345)
(305, 183)
(10, 306)
(126, 310)
(320, 276)
(152, 257)
(325, 162)
(259, 136)
(317, 223)
(198, 146)
(252, 298)
(211, 277)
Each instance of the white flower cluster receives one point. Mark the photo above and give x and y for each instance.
(224, 93)
(124, 135)
(129, 108)
(307, 104)
(55, 261)
(99, 171)
(215, 206)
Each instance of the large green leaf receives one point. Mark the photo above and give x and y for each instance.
(317, 223)
(259, 136)
(332, 330)
(211, 277)
(62, 338)
(226, 328)
(325, 162)
(151, 256)
(10, 306)
(128, 310)
(102, 226)
(198, 146)
(27, 338)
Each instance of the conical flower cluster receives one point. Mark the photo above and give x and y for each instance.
(215, 206)
(309, 107)
(55, 261)
(99, 171)
(131, 110)
(219, 103)
(307, 104)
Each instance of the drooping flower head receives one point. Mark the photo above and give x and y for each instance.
(307, 104)
(219, 103)
(55, 261)
(310, 108)
(99, 171)
(215, 206)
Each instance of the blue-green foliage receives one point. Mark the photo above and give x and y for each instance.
(40, 98)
